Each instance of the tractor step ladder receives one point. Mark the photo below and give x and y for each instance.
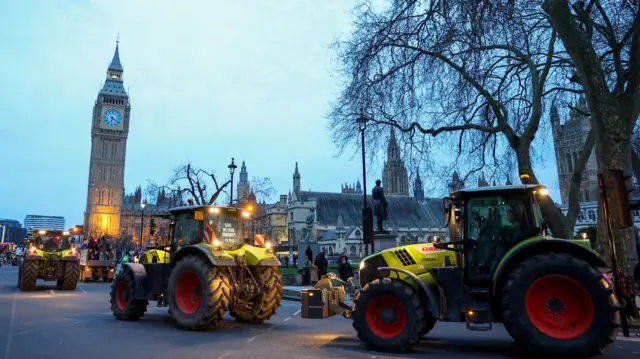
(478, 316)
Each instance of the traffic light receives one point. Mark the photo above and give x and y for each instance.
(152, 227)
(623, 185)
(367, 225)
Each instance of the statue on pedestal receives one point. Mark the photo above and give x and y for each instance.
(310, 219)
(380, 205)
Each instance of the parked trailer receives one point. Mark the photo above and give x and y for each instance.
(96, 269)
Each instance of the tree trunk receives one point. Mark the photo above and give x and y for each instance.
(551, 214)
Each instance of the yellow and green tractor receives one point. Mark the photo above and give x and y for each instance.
(51, 257)
(208, 269)
(498, 267)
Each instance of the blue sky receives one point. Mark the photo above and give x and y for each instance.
(208, 81)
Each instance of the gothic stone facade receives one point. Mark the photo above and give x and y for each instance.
(109, 132)
(569, 139)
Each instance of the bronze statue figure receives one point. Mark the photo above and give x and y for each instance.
(380, 205)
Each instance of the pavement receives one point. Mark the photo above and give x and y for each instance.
(48, 323)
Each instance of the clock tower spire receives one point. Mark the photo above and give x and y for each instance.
(109, 133)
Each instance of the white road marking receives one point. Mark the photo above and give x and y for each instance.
(52, 292)
(223, 355)
(271, 327)
(7, 351)
(251, 339)
(82, 289)
(287, 319)
(298, 312)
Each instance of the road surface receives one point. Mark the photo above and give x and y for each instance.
(51, 324)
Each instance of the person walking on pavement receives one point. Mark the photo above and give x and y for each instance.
(313, 271)
(323, 265)
(346, 274)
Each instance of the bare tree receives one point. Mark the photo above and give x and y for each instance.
(196, 183)
(471, 77)
(261, 187)
(602, 40)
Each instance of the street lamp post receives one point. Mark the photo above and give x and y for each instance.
(367, 212)
(142, 205)
(232, 169)
(3, 229)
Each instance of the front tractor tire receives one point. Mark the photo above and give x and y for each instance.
(28, 275)
(265, 304)
(557, 305)
(124, 304)
(389, 315)
(71, 275)
(199, 294)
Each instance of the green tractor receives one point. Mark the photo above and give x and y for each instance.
(49, 257)
(208, 269)
(499, 267)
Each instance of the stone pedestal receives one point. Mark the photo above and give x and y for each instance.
(302, 256)
(384, 240)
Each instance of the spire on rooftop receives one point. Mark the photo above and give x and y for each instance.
(115, 62)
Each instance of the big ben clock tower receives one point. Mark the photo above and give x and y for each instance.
(109, 131)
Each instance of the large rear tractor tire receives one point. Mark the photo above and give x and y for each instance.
(265, 304)
(124, 304)
(389, 315)
(71, 275)
(557, 305)
(28, 275)
(199, 294)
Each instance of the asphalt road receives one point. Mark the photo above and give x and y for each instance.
(54, 324)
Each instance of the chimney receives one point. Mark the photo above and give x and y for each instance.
(283, 200)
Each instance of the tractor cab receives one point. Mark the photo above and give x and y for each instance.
(221, 227)
(51, 241)
(485, 223)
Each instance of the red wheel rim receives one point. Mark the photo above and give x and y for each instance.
(189, 293)
(121, 295)
(386, 316)
(559, 307)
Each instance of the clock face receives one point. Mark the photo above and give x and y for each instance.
(112, 118)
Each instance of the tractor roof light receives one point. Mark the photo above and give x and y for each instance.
(543, 191)
(246, 214)
(66, 233)
(214, 210)
(216, 244)
(42, 232)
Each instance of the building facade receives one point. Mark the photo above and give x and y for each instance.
(244, 186)
(569, 137)
(11, 231)
(336, 218)
(33, 222)
(109, 132)
(394, 175)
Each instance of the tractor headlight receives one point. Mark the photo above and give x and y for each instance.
(268, 246)
(73, 251)
(245, 214)
(544, 192)
(216, 244)
(32, 249)
(362, 265)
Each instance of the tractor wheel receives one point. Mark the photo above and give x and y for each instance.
(71, 275)
(264, 305)
(558, 305)
(124, 304)
(28, 275)
(19, 275)
(389, 315)
(429, 320)
(199, 294)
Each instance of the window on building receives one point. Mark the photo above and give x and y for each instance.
(291, 216)
(569, 163)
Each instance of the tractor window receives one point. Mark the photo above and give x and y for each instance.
(494, 225)
(187, 229)
(223, 225)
